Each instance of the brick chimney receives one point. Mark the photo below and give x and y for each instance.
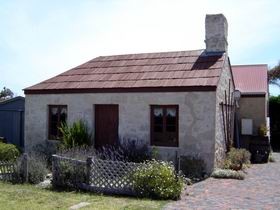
(216, 31)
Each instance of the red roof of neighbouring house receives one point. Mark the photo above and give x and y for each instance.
(250, 79)
(138, 71)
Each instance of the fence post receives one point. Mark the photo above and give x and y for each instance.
(25, 167)
(89, 165)
(54, 170)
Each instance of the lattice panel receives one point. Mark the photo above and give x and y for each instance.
(112, 175)
(6, 170)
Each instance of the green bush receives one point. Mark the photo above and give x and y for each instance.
(76, 134)
(158, 179)
(237, 158)
(192, 167)
(227, 174)
(37, 169)
(8, 152)
(70, 175)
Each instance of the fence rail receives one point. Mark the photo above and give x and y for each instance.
(105, 176)
(7, 170)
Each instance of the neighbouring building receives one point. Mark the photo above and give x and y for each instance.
(169, 100)
(252, 111)
(12, 121)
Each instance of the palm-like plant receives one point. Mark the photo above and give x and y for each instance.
(76, 134)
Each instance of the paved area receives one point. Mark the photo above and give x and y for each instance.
(259, 190)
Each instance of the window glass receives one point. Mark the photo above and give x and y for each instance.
(57, 115)
(171, 117)
(164, 125)
(158, 120)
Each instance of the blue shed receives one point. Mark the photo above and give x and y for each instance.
(12, 121)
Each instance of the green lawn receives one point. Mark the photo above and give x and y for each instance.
(30, 197)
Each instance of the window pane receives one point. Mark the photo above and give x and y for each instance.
(58, 114)
(158, 120)
(171, 116)
(63, 115)
(158, 128)
(54, 115)
(170, 128)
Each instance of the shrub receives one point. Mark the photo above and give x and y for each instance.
(263, 130)
(70, 175)
(8, 152)
(76, 134)
(227, 174)
(126, 150)
(46, 150)
(37, 169)
(236, 158)
(79, 152)
(271, 158)
(192, 167)
(158, 179)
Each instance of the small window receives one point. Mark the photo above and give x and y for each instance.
(164, 125)
(57, 116)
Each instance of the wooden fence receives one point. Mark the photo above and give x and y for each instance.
(7, 170)
(104, 176)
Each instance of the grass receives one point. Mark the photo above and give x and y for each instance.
(30, 197)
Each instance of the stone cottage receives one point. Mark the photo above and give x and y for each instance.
(169, 100)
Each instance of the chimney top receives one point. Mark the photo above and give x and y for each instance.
(216, 32)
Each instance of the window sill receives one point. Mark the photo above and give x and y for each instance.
(164, 145)
(53, 141)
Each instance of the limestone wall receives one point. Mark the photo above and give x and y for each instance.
(220, 147)
(196, 118)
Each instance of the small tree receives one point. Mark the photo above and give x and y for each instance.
(274, 75)
(6, 93)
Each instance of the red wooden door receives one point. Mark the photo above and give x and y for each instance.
(106, 125)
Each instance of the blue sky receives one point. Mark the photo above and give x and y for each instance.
(40, 39)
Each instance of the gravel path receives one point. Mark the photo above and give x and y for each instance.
(259, 190)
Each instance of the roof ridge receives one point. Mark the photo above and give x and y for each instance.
(249, 65)
(102, 56)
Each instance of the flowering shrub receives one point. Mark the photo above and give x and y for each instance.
(158, 179)
(236, 158)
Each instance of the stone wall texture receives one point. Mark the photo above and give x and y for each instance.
(223, 85)
(216, 28)
(196, 118)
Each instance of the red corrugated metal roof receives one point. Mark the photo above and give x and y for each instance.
(250, 79)
(167, 69)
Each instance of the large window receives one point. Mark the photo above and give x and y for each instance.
(57, 115)
(164, 125)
